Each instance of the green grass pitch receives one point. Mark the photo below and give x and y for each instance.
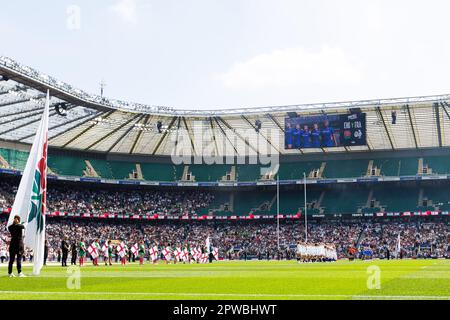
(251, 280)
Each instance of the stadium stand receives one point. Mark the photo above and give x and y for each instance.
(323, 200)
(331, 169)
(89, 141)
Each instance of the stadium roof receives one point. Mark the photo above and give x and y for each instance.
(94, 123)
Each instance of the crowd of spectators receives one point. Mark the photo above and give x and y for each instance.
(420, 237)
(74, 199)
(259, 240)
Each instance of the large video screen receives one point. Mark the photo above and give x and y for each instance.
(327, 131)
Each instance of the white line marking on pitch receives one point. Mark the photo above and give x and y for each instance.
(228, 294)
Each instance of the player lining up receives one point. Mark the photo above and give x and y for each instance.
(82, 251)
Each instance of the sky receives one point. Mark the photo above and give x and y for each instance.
(211, 54)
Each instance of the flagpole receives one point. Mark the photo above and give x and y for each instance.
(278, 212)
(306, 209)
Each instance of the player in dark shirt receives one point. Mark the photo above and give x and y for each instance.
(306, 139)
(65, 251)
(45, 252)
(16, 247)
(297, 137)
(328, 139)
(73, 252)
(315, 136)
(288, 137)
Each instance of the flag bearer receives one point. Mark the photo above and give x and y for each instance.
(16, 247)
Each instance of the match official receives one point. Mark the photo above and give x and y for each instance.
(65, 251)
(16, 247)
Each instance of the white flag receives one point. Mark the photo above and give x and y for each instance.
(93, 250)
(135, 249)
(216, 253)
(154, 253)
(167, 252)
(185, 255)
(122, 250)
(105, 250)
(399, 246)
(30, 201)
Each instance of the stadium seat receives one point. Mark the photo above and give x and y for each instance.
(67, 165)
(15, 158)
(346, 168)
(209, 173)
(161, 172)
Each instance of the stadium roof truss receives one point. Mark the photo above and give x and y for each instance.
(93, 123)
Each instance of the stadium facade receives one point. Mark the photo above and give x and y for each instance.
(239, 155)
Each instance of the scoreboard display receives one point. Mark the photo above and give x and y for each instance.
(325, 131)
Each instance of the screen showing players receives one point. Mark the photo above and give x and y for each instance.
(325, 131)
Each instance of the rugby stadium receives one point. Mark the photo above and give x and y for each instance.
(244, 182)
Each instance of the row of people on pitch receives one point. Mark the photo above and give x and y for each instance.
(298, 137)
(121, 251)
(318, 252)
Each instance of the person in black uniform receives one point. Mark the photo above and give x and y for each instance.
(65, 251)
(16, 247)
(210, 255)
(45, 252)
(73, 251)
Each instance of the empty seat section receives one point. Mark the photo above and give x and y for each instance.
(440, 165)
(291, 202)
(161, 172)
(16, 159)
(248, 172)
(439, 196)
(409, 166)
(102, 167)
(346, 168)
(207, 173)
(294, 171)
(397, 199)
(121, 170)
(345, 200)
(388, 167)
(245, 202)
(67, 165)
(217, 206)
